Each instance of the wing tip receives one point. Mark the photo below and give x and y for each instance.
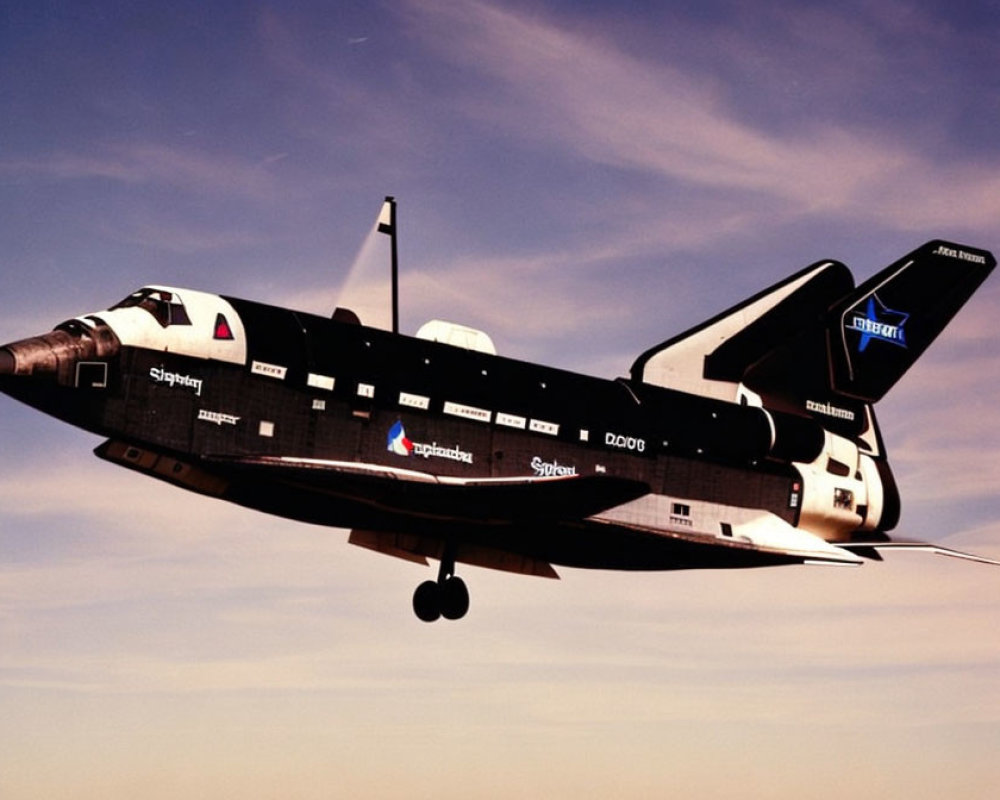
(869, 549)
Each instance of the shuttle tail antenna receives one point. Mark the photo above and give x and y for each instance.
(387, 225)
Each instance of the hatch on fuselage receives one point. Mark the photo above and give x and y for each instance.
(182, 321)
(438, 330)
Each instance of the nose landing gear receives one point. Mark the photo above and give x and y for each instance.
(446, 597)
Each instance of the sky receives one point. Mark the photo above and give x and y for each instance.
(581, 180)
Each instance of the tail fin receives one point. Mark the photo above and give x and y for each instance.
(878, 331)
(871, 336)
(813, 345)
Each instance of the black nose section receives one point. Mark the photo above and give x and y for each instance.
(56, 356)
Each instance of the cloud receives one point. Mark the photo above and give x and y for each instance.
(143, 538)
(152, 165)
(520, 300)
(941, 425)
(180, 237)
(580, 92)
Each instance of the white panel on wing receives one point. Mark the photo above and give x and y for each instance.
(679, 363)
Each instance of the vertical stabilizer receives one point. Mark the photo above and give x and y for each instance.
(815, 346)
(882, 328)
(871, 336)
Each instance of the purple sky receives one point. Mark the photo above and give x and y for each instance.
(581, 180)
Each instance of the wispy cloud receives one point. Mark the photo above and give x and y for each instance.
(152, 165)
(518, 299)
(583, 93)
(184, 237)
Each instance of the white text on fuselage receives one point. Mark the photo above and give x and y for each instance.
(550, 469)
(623, 442)
(434, 450)
(160, 375)
(217, 417)
(829, 410)
(397, 442)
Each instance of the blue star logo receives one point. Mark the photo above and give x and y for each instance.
(879, 322)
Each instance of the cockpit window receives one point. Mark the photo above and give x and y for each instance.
(166, 307)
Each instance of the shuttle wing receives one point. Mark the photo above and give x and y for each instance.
(490, 500)
(870, 549)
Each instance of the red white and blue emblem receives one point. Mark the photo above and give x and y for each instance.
(397, 441)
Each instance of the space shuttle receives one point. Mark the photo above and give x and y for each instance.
(748, 441)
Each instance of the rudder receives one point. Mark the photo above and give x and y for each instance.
(855, 352)
(880, 329)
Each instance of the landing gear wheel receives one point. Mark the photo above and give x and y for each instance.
(427, 601)
(454, 598)
(446, 597)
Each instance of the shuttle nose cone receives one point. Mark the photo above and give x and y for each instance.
(6, 362)
(55, 355)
